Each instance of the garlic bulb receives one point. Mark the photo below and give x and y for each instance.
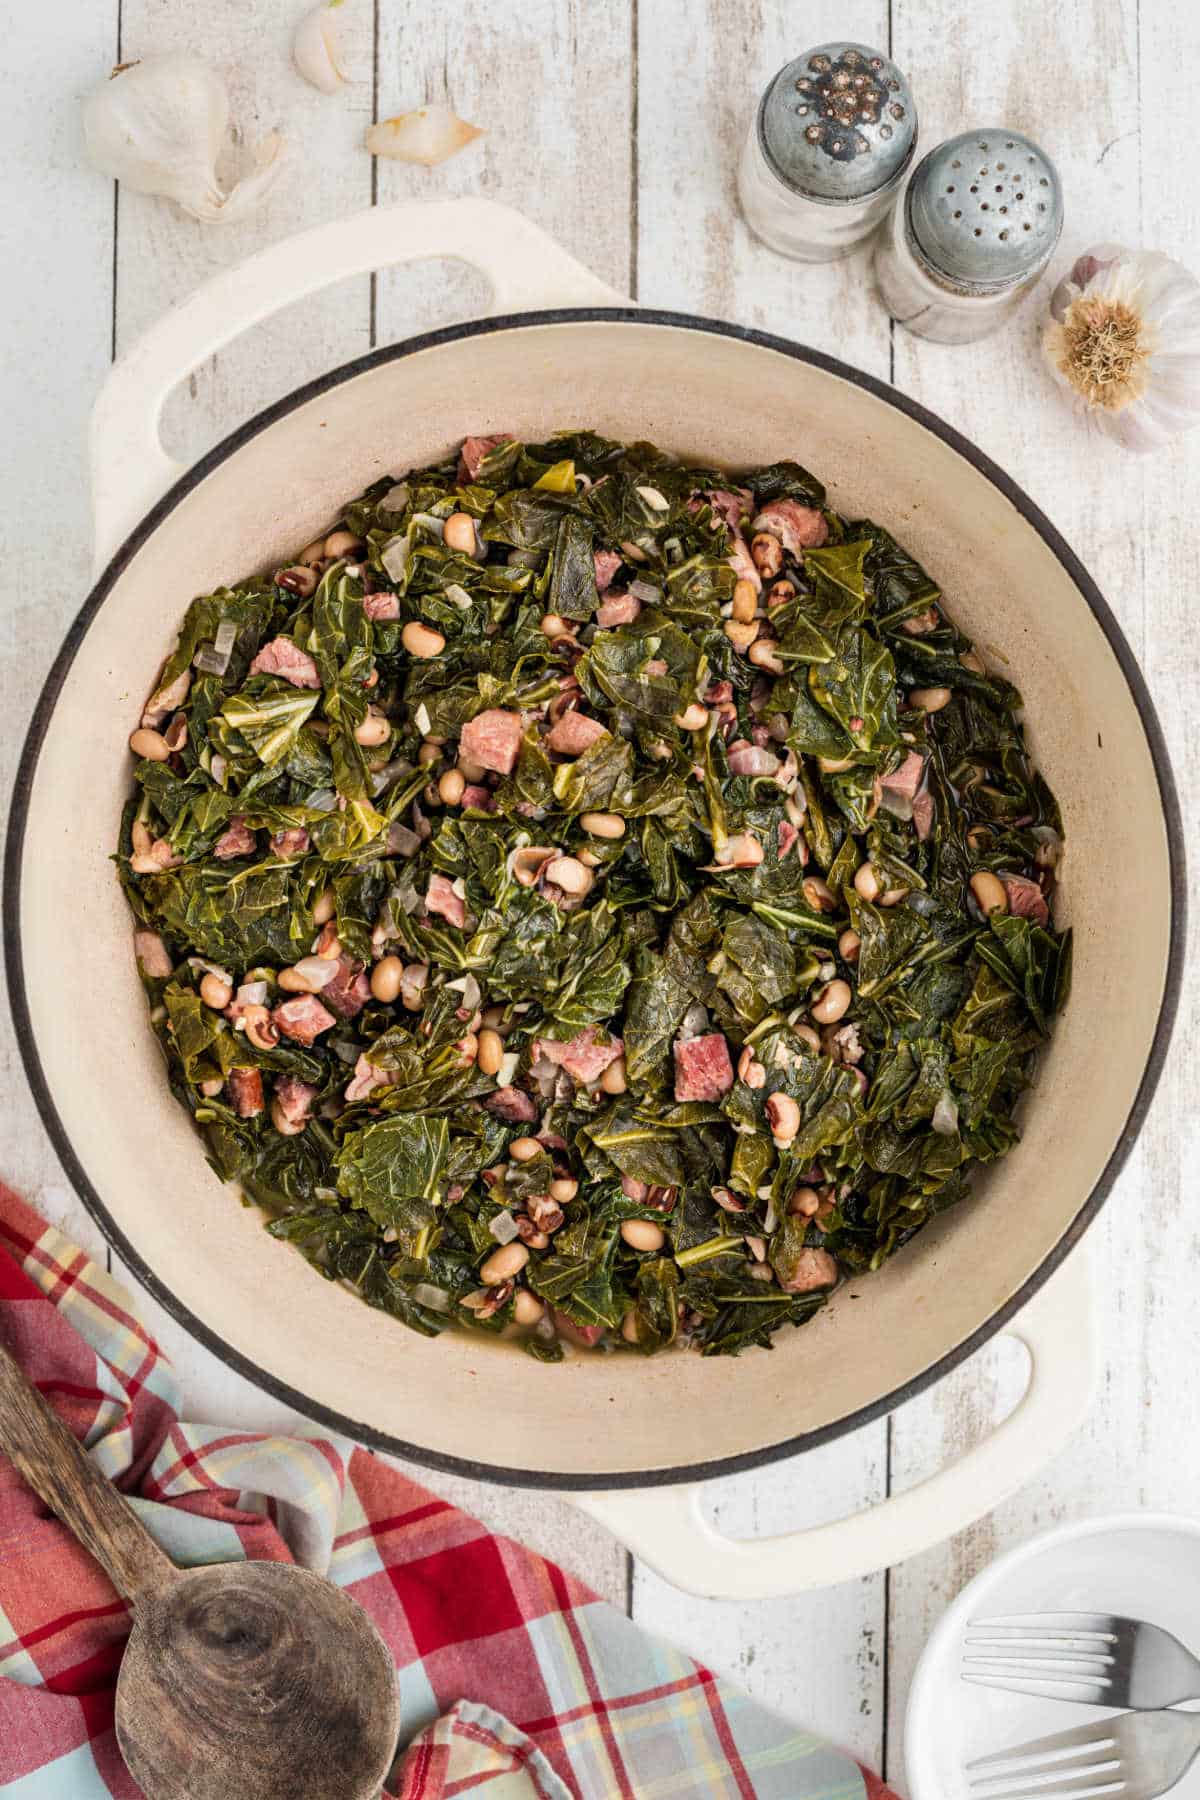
(429, 135)
(1124, 339)
(315, 48)
(158, 126)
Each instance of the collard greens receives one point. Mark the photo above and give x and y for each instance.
(584, 899)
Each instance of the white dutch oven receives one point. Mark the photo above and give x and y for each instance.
(632, 1437)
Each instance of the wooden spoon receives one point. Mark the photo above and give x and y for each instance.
(257, 1679)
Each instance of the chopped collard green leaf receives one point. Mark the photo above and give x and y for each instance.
(588, 899)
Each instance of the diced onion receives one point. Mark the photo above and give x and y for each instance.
(401, 841)
(469, 988)
(252, 993)
(209, 661)
(770, 1218)
(226, 637)
(695, 1021)
(658, 502)
(210, 968)
(506, 1074)
(504, 1228)
(925, 904)
(458, 596)
(645, 590)
(395, 555)
(945, 1115)
(345, 1051)
(431, 522)
(396, 498)
(216, 769)
(422, 721)
(322, 800)
(899, 805)
(435, 1298)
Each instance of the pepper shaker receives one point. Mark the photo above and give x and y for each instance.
(978, 225)
(830, 142)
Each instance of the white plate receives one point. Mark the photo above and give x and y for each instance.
(1145, 1565)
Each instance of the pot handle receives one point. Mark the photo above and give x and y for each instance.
(526, 269)
(666, 1527)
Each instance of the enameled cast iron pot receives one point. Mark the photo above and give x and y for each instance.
(594, 1424)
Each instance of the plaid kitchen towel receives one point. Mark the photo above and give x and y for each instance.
(515, 1681)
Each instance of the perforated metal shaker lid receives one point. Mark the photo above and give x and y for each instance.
(838, 123)
(984, 210)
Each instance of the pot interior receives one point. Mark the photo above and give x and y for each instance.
(720, 397)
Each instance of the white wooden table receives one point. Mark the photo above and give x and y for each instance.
(616, 124)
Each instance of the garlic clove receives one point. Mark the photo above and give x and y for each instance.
(428, 136)
(315, 48)
(158, 126)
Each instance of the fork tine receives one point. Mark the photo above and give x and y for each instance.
(1102, 1641)
(1085, 1786)
(1083, 1693)
(1095, 1670)
(1063, 1746)
(1072, 1624)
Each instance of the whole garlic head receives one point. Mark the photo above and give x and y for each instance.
(1123, 338)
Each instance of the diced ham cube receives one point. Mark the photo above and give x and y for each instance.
(742, 563)
(748, 759)
(470, 457)
(239, 840)
(152, 954)
(381, 607)
(797, 527)
(365, 1080)
(512, 1104)
(480, 798)
(607, 562)
(618, 609)
(703, 1070)
(442, 899)
(246, 1092)
(905, 780)
(303, 1018)
(585, 1057)
(349, 990)
(787, 837)
(295, 1098)
(633, 1189)
(923, 813)
(718, 693)
(574, 733)
(730, 503)
(293, 840)
(1026, 899)
(813, 1269)
(492, 738)
(282, 657)
(586, 1336)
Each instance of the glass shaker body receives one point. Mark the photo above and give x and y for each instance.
(806, 229)
(930, 308)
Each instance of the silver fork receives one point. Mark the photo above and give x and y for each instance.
(1134, 1756)
(1096, 1659)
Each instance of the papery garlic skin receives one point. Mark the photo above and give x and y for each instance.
(315, 50)
(158, 126)
(427, 136)
(1123, 339)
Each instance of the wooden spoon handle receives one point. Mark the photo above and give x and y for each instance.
(61, 1473)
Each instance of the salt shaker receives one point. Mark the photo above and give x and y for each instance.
(827, 151)
(978, 225)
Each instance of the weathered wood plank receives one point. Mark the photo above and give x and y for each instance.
(551, 84)
(701, 68)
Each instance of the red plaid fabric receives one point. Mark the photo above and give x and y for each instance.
(507, 1666)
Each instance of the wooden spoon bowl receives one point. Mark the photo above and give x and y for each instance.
(256, 1679)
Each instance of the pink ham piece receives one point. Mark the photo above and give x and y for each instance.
(246, 1092)
(633, 1189)
(730, 504)
(349, 990)
(748, 759)
(282, 657)
(923, 813)
(295, 1098)
(470, 457)
(607, 562)
(153, 955)
(574, 733)
(493, 739)
(797, 527)
(303, 1018)
(381, 607)
(1026, 899)
(164, 700)
(584, 1057)
(513, 1105)
(366, 1079)
(787, 837)
(293, 840)
(813, 1269)
(618, 609)
(586, 1336)
(905, 780)
(478, 797)
(703, 1070)
(443, 900)
(239, 840)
